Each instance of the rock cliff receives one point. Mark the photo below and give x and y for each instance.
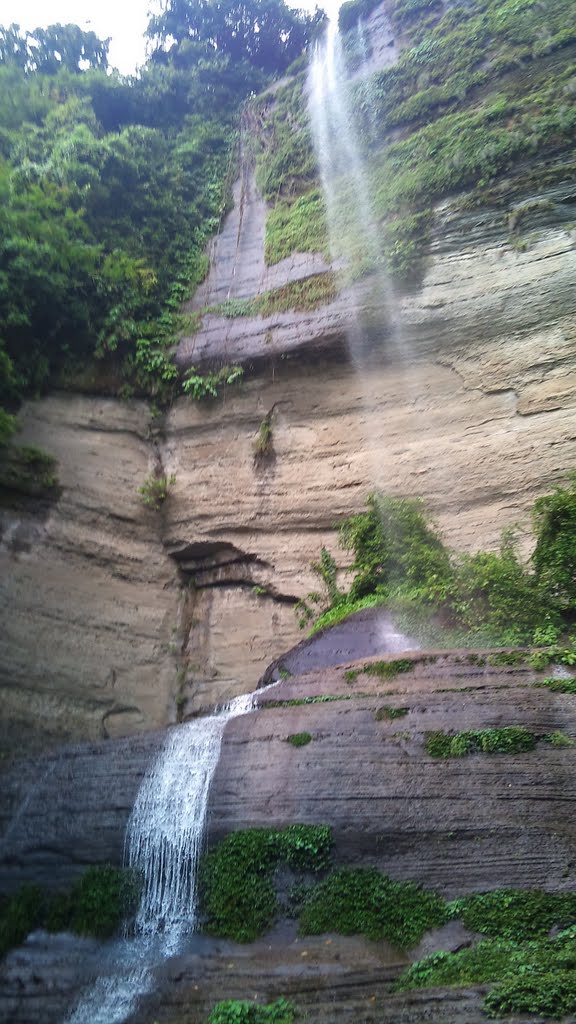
(118, 618)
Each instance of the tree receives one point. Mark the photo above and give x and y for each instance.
(266, 33)
(49, 49)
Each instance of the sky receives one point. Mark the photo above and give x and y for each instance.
(124, 20)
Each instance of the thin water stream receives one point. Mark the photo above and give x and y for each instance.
(163, 842)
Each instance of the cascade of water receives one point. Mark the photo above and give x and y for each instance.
(165, 829)
(351, 222)
(163, 842)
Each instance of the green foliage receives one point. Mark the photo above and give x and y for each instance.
(29, 470)
(557, 685)
(235, 878)
(497, 589)
(155, 490)
(7, 426)
(266, 33)
(388, 669)
(559, 739)
(299, 739)
(352, 11)
(95, 905)
(554, 557)
(209, 385)
(101, 899)
(109, 191)
(515, 914)
(298, 225)
(394, 544)
(21, 914)
(389, 713)
(237, 1011)
(533, 977)
(363, 901)
(351, 675)
(513, 739)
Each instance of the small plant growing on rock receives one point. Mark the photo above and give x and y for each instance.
(299, 739)
(155, 489)
(389, 713)
(263, 440)
(241, 1011)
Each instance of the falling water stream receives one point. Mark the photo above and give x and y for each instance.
(163, 842)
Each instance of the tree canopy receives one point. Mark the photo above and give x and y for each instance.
(48, 49)
(266, 33)
(110, 186)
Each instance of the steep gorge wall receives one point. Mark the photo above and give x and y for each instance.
(117, 618)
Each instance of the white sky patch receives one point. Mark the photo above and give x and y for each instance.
(125, 21)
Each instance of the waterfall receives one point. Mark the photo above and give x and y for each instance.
(163, 841)
(351, 222)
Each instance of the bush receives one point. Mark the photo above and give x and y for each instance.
(363, 901)
(237, 1011)
(155, 489)
(554, 558)
(101, 899)
(394, 545)
(235, 878)
(515, 913)
(22, 913)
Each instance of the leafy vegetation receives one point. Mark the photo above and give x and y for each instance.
(515, 914)
(95, 905)
(208, 385)
(238, 1011)
(363, 901)
(236, 877)
(155, 490)
(532, 977)
(388, 713)
(480, 89)
(398, 559)
(513, 739)
(269, 35)
(111, 186)
(388, 669)
(29, 470)
(557, 685)
(299, 739)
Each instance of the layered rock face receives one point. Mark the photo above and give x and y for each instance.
(117, 618)
(458, 826)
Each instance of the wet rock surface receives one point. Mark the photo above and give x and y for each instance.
(458, 826)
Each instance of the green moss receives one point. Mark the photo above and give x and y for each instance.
(388, 669)
(299, 739)
(388, 713)
(532, 977)
(240, 1011)
(515, 914)
(236, 877)
(307, 294)
(95, 905)
(298, 225)
(351, 675)
(364, 901)
(507, 658)
(20, 915)
(28, 470)
(352, 11)
(557, 685)
(513, 739)
(101, 899)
